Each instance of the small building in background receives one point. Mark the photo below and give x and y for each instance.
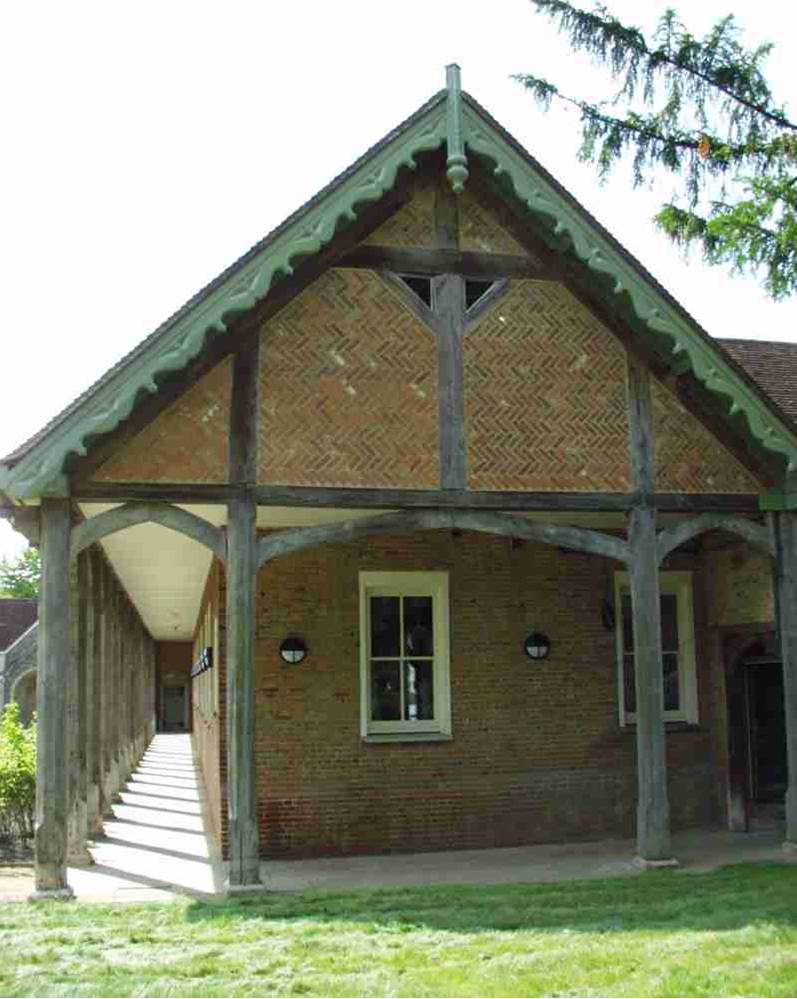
(18, 629)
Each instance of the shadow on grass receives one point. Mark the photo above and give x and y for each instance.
(718, 901)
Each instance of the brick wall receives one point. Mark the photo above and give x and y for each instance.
(537, 753)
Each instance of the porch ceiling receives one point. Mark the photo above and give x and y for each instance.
(164, 572)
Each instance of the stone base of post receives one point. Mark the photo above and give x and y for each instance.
(50, 894)
(653, 865)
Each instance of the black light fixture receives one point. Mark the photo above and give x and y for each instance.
(204, 662)
(293, 650)
(537, 645)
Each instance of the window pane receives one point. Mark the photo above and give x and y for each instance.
(385, 626)
(418, 691)
(671, 697)
(629, 682)
(418, 626)
(628, 627)
(385, 691)
(669, 622)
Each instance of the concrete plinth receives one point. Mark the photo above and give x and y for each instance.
(653, 865)
(51, 894)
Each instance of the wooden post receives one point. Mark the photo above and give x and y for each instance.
(244, 871)
(653, 810)
(94, 687)
(54, 665)
(77, 851)
(448, 303)
(785, 537)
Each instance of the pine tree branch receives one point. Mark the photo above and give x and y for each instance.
(634, 39)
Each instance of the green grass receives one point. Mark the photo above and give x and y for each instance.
(730, 932)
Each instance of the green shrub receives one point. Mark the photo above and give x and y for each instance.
(17, 776)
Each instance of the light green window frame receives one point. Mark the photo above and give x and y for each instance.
(678, 584)
(407, 585)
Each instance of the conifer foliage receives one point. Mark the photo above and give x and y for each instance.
(700, 108)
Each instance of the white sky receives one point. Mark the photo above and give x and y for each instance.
(146, 145)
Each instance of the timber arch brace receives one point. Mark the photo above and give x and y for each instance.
(165, 514)
(573, 538)
(755, 534)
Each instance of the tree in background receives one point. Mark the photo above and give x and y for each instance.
(20, 577)
(702, 110)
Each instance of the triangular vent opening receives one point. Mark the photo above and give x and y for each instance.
(475, 291)
(420, 286)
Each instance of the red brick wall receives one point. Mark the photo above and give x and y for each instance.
(537, 753)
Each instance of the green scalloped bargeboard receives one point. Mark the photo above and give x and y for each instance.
(185, 338)
(248, 285)
(683, 342)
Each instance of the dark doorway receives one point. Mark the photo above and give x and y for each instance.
(766, 731)
(756, 736)
(174, 713)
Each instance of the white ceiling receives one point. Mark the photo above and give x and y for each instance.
(164, 572)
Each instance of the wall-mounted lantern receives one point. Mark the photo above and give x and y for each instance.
(293, 650)
(537, 645)
(204, 663)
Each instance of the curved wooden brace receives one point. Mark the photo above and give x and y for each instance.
(574, 538)
(165, 514)
(754, 534)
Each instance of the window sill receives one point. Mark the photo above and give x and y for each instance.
(669, 726)
(408, 737)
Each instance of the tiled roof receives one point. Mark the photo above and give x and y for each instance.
(773, 365)
(16, 616)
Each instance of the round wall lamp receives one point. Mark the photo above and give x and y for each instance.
(293, 650)
(537, 645)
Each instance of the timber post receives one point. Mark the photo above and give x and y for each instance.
(94, 685)
(244, 869)
(77, 851)
(653, 809)
(785, 537)
(54, 667)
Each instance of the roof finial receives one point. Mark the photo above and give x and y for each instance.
(457, 162)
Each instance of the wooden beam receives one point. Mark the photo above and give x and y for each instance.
(464, 499)
(755, 534)
(244, 870)
(448, 305)
(785, 542)
(95, 528)
(444, 260)
(53, 673)
(573, 538)
(653, 810)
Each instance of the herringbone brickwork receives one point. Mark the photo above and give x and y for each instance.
(546, 399)
(348, 389)
(186, 443)
(412, 225)
(481, 232)
(689, 459)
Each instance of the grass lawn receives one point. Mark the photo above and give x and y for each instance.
(730, 932)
